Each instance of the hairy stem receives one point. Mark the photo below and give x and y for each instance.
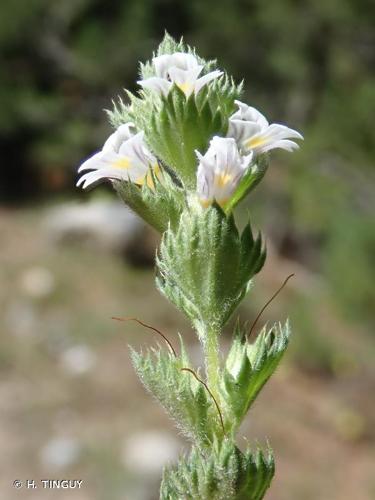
(211, 353)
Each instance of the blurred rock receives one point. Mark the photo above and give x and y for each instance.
(78, 360)
(148, 452)
(104, 225)
(57, 327)
(21, 319)
(37, 282)
(60, 452)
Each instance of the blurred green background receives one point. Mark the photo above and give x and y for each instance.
(71, 406)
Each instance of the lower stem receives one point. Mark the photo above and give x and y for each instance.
(211, 353)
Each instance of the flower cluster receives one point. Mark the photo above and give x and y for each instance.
(126, 156)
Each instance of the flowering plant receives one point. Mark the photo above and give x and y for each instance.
(184, 153)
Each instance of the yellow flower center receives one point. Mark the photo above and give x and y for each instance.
(147, 179)
(123, 162)
(223, 179)
(255, 142)
(186, 87)
(205, 203)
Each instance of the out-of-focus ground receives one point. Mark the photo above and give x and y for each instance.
(71, 406)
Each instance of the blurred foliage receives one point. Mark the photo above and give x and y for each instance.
(309, 63)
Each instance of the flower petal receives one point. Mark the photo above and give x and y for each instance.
(159, 85)
(253, 133)
(95, 177)
(271, 138)
(135, 149)
(242, 130)
(205, 182)
(185, 80)
(181, 60)
(250, 114)
(123, 133)
(283, 132)
(97, 161)
(220, 170)
(203, 80)
(282, 144)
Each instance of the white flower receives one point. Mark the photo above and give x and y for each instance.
(180, 69)
(124, 157)
(220, 171)
(253, 132)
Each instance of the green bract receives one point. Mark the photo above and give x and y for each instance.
(249, 181)
(182, 396)
(205, 266)
(181, 125)
(247, 369)
(185, 152)
(225, 473)
(161, 206)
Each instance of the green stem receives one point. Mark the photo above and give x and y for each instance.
(211, 353)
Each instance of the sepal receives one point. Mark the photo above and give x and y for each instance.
(225, 474)
(247, 369)
(160, 205)
(248, 182)
(205, 266)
